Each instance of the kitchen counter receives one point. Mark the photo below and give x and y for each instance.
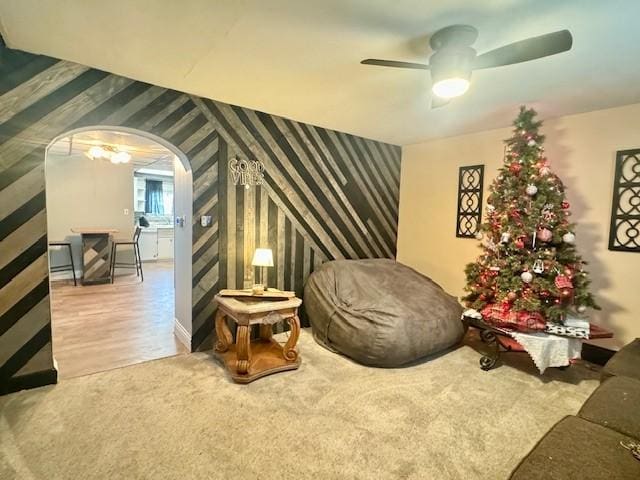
(156, 243)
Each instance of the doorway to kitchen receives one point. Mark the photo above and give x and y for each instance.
(119, 205)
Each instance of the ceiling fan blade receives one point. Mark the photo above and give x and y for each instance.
(393, 63)
(525, 50)
(437, 102)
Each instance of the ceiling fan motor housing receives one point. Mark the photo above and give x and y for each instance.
(452, 62)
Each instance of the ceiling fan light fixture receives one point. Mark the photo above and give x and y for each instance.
(454, 58)
(451, 71)
(450, 87)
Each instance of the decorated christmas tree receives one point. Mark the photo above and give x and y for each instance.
(530, 272)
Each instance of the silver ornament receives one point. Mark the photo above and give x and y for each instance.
(479, 236)
(569, 238)
(581, 309)
(526, 277)
(531, 190)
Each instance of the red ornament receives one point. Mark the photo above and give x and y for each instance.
(542, 163)
(544, 235)
(515, 168)
(519, 243)
(565, 205)
(562, 281)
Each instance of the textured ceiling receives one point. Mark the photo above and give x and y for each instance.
(300, 59)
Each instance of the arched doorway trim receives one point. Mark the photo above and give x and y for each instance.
(183, 232)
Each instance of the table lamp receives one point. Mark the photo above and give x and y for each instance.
(263, 257)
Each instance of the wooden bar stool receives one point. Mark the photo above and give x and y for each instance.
(66, 267)
(137, 259)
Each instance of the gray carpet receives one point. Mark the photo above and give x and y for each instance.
(181, 418)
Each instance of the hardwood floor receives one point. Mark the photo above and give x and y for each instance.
(101, 327)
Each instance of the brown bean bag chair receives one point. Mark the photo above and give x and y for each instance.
(379, 312)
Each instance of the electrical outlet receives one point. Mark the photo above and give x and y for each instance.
(126, 211)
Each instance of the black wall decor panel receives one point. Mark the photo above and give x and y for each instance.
(469, 213)
(624, 232)
(326, 195)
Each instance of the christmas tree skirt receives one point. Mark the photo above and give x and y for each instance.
(548, 350)
(545, 349)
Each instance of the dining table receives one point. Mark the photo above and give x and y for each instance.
(96, 254)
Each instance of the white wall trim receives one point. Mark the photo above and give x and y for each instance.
(181, 333)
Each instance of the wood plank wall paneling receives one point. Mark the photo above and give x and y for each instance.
(327, 195)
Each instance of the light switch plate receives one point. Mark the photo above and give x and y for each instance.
(126, 211)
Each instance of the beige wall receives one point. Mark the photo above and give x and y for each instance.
(581, 150)
(86, 193)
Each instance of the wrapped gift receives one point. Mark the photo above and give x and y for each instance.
(502, 315)
(572, 327)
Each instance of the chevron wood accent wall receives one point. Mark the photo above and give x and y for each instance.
(327, 195)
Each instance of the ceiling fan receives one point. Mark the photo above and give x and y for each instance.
(454, 59)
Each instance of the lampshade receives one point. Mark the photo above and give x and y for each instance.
(263, 257)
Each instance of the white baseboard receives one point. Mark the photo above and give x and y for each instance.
(181, 333)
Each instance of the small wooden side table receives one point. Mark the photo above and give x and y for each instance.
(249, 360)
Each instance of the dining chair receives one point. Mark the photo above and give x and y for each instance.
(137, 259)
(68, 266)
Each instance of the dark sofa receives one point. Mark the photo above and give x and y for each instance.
(589, 446)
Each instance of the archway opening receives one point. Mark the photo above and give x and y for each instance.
(119, 217)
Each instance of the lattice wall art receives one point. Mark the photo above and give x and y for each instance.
(624, 232)
(470, 180)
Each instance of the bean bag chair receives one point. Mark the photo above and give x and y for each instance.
(380, 312)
